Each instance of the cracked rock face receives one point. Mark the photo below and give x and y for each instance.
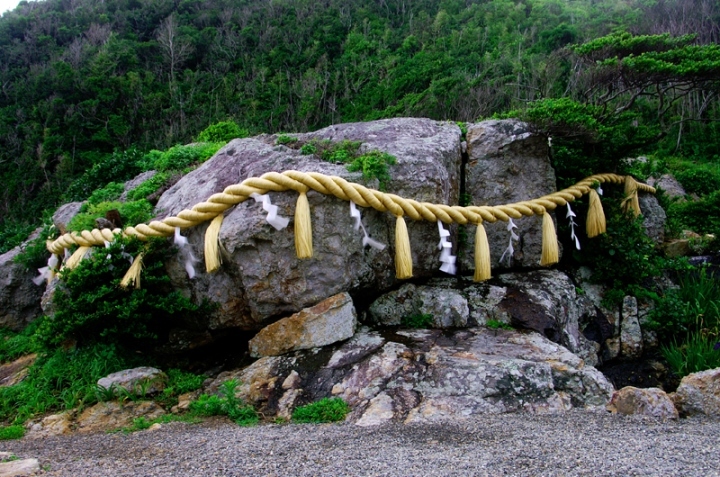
(427, 375)
(261, 278)
(508, 163)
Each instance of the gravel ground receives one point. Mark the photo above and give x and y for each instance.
(576, 443)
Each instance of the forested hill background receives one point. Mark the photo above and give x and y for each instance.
(83, 79)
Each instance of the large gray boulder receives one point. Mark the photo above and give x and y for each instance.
(19, 296)
(261, 277)
(507, 163)
(426, 375)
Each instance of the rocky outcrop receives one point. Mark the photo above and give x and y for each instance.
(261, 277)
(425, 375)
(651, 402)
(139, 381)
(699, 393)
(328, 322)
(443, 307)
(654, 217)
(669, 184)
(507, 163)
(545, 301)
(112, 415)
(631, 340)
(52, 425)
(19, 296)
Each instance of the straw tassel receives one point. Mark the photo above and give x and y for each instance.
(631, 196)
(403, 257)
(595, 224)
(482, 255)
(212, 253)
(303, 228)
(550, 251)
(75, 258)
(133, 273)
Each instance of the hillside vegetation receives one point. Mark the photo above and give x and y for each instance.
(81, 79)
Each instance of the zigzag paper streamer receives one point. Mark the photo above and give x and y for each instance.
(445, 246)
(570, 214)
(272, 217)
(510, 250)
(366, 241)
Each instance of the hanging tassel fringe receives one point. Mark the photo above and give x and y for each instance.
(403, 256)
(133, 273)
(595, 224)
(212, 253)
(550, 253)
(631, 196)
(482, 255)
(303, 228)
(75, 258)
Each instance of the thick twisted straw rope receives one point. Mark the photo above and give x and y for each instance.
(339, 187)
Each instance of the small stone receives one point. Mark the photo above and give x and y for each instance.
(140, 381)
(17, 468)
(699, 393)
(155, 427)
(652, 402)
(292, 381)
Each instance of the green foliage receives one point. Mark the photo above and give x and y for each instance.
(131, 213)
(697, 353)
(222, 132)
(12, 234)
(227, 405)
(179, 382)
(149, 186)
(62, 380)
(373, 165)
(698, 178)
(13, 345)
(35, 254)
(692, 309)
(116, 167)
(285, 139)
(701, 216)
(93, 308)
(495, 325)
(110, 192)
(180, 157)
(11, 432)
(324, 410)
(308, 149)
(418, 320)
(142, 423)
(624, 257)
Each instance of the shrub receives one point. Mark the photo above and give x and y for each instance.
(62, 379)
(35, 254)
(93, 308)
(149, 187)
(324, 410)
(180, 157)
(116, 167)
(418, 320)
(698, 353)
(13, 345)
(110, 192)
(308, 149)
(227, 405)
(284, 139)
(11, 432)
(223, 131)
(373, 165)
(131, 213)
(179, 382)
(692, 308)
(495, 325)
